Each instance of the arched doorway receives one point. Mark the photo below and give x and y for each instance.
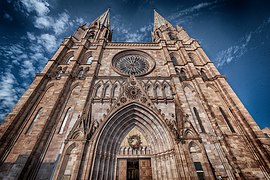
(108, 145)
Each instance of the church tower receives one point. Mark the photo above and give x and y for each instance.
(125, 111)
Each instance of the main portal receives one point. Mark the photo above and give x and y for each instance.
(134, 169)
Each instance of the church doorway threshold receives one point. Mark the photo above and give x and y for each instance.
(134, 169)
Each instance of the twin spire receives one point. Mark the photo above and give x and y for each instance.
(104, 19)
(159, 21)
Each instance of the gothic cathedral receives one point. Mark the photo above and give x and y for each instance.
(103, 110)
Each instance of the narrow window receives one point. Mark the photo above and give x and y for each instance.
(183, 76)
(106, 33)
(69, 59)
(80, 74)
(199, 170)
(199, 119)
(28, 131)
(59, 73)
(158, 35)
(92, 34)
(174, 60)
(172, 36)
(266, 135)
(64, 121)
(204, 76)
(89, 60)
(227, 120)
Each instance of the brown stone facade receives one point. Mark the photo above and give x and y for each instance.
(81, 114)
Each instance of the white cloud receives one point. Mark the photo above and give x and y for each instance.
(8, 92)
(234, 52)
(57, 24)
(40, 7)
(60, 24)
(43, 22)
(28, 69)
(31, 36)
(48, 41)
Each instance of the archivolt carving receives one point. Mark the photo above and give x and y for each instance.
(117, 127)
(110, 89)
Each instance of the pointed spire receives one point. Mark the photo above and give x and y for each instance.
(104, 19)
(159, 20)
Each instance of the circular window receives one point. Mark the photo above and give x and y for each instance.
(132, 63)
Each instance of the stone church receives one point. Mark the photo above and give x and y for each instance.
(103, 110)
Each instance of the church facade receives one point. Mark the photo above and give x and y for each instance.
(103, 110)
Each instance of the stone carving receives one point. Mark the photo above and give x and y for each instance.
(133, 92)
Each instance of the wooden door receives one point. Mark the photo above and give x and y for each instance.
(122, 169)
(145, 169)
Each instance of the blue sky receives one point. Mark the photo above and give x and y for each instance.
(233, 33)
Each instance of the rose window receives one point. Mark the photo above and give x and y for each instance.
(132, 65)
(131, 62)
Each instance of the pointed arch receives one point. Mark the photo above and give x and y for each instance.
(117, 127)
(203, 74)
(115, 90)
(67, 162)
(183, 74)
(167, 89)
(150, 89)
(68, 57)
(63, 125)
(158, 90)
(176, 59)
(98, 90)
(195, 59)
(106, 90)
(198, 119)
(29, 129)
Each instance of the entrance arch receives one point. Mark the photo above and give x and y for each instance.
(116, 128)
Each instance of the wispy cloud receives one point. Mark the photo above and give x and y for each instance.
(193, 11)
(234, 52)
